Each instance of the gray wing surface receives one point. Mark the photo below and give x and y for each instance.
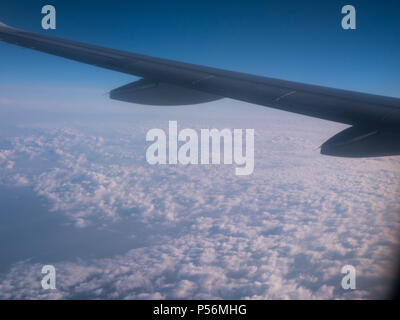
(167, 82)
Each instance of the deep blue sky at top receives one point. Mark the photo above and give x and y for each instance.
(294, 40)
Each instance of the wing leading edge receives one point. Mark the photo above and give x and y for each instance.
(167, 82)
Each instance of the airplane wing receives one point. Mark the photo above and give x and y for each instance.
(375, 120)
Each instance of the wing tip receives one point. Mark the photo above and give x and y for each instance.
(3, 25)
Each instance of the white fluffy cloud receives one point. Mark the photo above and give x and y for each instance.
(283, 232)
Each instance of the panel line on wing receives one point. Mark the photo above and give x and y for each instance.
(202, 79)
(285, 95)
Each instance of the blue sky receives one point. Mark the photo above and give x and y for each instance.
(294, 40)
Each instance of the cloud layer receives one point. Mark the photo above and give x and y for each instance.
(284, 232)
